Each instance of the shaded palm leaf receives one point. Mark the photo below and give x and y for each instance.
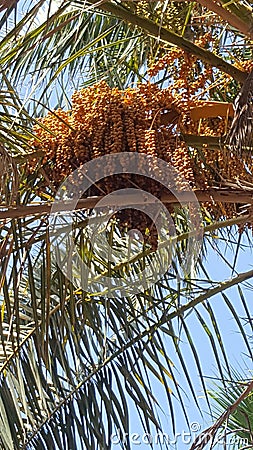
(240, 136)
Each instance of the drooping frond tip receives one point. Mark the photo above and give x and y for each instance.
(240, 136)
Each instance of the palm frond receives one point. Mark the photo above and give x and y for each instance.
(234, 405)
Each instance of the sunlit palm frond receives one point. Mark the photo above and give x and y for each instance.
(73, 38)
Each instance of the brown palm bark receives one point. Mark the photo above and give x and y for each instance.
(4, 4)
(224, 195)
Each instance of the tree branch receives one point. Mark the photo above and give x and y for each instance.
(240, 10)
(231, 18)
(223, 195)
(7, 4)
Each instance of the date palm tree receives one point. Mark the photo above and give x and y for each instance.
(76, 365)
